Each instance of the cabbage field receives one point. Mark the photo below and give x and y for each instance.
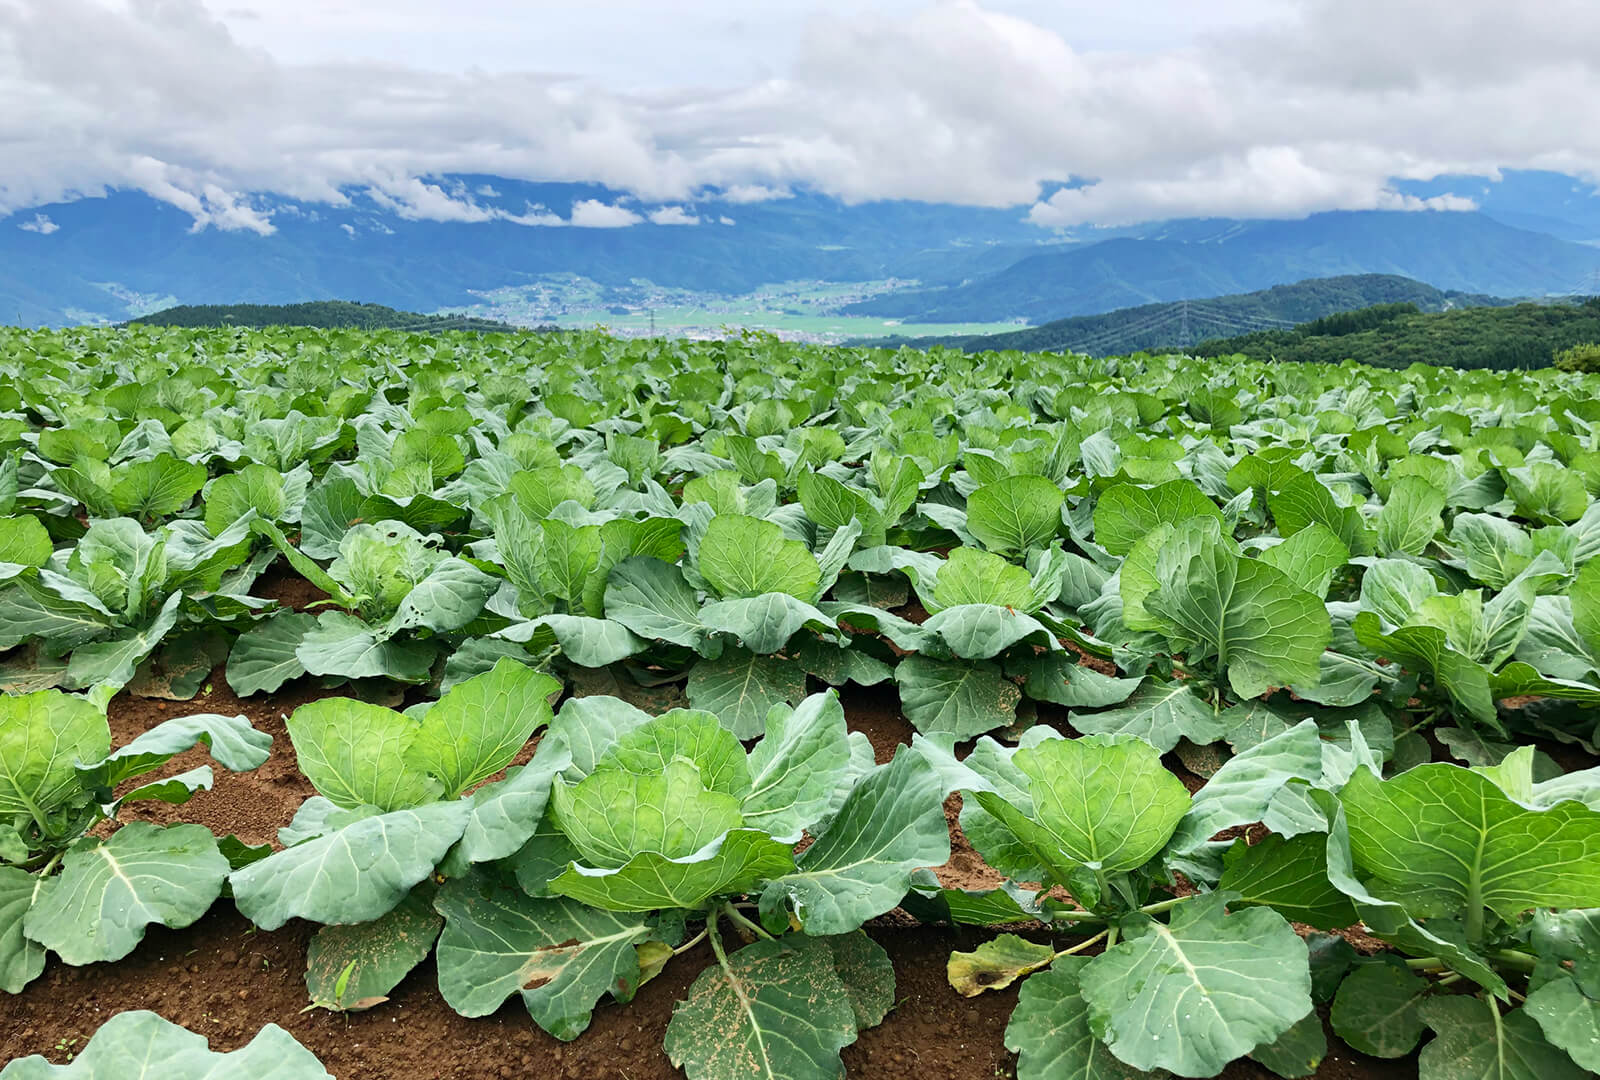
(1256, 704)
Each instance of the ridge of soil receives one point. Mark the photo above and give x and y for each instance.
(225, 980)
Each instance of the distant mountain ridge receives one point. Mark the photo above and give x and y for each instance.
(1469, 252)
(1187, 322)
(124, 254)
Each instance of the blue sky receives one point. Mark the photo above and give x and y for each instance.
(1173, 108)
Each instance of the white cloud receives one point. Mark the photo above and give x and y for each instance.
(350, 230)
(40, 224)
(1289, 107)
(754, 193)
(594, 214)
(673, 215)
(725, 220)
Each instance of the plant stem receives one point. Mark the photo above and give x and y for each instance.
(691, 943)
(1427, 963)
(755, 927)
(1084, 944)
(716, 940)
(1517, 961)
(1164, 905)
(1078, 915)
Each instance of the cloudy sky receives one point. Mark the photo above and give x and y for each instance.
(1175, 108)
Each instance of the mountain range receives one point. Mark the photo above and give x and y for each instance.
(106, 258)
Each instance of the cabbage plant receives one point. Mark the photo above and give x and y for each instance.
(89, 898)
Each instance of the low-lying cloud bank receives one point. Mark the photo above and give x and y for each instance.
(1323, 107)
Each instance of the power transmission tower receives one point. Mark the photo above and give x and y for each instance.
(1184, 338)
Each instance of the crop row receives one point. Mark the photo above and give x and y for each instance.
(1307, 582)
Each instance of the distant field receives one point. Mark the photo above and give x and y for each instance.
(806, 310)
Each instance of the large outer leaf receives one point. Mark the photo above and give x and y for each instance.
(1410, 516)
(376, 954)
(114, 662)
(451, 596)
(586, 642)
(1569, 1018)
(475, 730)
(651, 598)
(353, 874)
(973, 576)
(1426, 651)
(764, 623)
(892, 823)
(344, 645)
(794, 768)
(1193, 995)
(1015, 513)
(158, 487)
(1444, 839)
(1386, 918)
(109, 891)
(1309, 558)
(1262, 628)
(1057, 677)
(142, 1044)
(733, 863)
(37, 604)
(745, 556)
(1375, 1010)
(21, 960)
(1125, 513)
(1586, 605)
(264, 658)
(779, 1011)
(355, 754)
(1475, 1043)
(1289, 876)
(960, 697)
(1050, 1031)
(232, 742)
(1244, 790)
(1159, 713)
(741, 687)
(560, 955)
(505, 813)
(43, 735)
(588, 726)
(979, 631)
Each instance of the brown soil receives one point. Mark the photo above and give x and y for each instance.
(225, 980)
(287, 588)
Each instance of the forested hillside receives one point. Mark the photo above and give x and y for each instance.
(322, 314)
(1521, 336)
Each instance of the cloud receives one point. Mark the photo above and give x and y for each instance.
(594, 214)
(753, 193)
(725, 220)
(350, 230)
(40, 224)
(1305, 105)
(673, 215)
